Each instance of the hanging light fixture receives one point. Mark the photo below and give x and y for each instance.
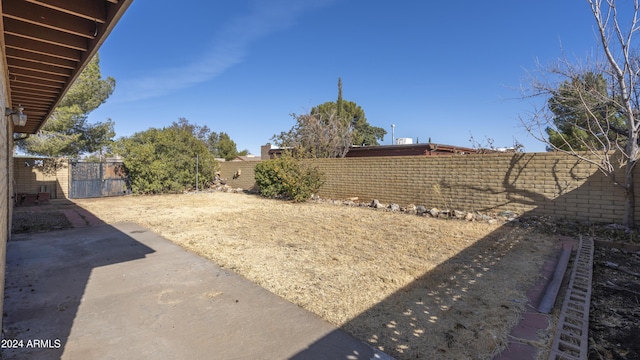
(17, 115)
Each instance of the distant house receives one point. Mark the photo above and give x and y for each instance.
(246, 158)
(411, 150)
(427, 149)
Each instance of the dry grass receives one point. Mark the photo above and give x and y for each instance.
(410, 286)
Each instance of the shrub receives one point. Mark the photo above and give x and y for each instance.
(288, 177)
(164, 160)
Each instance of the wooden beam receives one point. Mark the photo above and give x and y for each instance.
(37, 47)
(27, 101)
(48, 36)
(30, 88)
(40, 83)
(15, 92)
(88, 9)
(51, 19)
(46, 69)
(27, 73)
(23, 55)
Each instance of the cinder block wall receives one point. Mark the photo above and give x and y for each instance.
(545, 183)
(246, 180)
(30, 177)
(542, 183)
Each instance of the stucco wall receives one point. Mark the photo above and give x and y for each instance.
(543, 183)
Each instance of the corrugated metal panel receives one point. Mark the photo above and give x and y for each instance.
(98, 180)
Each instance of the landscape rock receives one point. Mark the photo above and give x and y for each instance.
(485, 217)
(435, 212)
(421, 209)
(459, 214)
(470, 217)
(411, 209)
(377, 205)
(507, 214)
(394, 207)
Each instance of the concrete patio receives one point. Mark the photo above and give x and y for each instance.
(122, 292)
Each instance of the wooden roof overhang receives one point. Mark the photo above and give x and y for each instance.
(46, 44)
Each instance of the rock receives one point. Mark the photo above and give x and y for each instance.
(492, 221)
(375, 203)
(394, 207)
(380, 206)
(458, 214)
(616, 227)
(421, 209)
(411, 209)
(507, 214)
(434, 212)
(353, 199)
(349, 203)
(470, 217)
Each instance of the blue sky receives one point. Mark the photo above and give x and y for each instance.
(436, 69)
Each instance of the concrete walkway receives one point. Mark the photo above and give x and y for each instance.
(122, 292)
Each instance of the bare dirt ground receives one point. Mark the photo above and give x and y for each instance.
(30, 219)
(614, 319)
(412, 286)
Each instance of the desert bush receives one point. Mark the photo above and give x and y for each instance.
(288, 177)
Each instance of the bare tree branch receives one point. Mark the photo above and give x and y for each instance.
(598, 126)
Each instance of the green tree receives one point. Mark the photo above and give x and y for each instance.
(353, 115)
(164, 160)
(329, 130)
(221, 146)
(67, 132)
(584, 115)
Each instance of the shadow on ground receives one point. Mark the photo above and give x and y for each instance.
(458, 309)
(120, 291)
(50, 274)
(463, 308)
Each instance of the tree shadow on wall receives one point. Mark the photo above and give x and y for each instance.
(544, 191)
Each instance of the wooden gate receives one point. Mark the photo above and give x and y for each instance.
(98, 179)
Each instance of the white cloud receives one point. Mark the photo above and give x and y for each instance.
(229, 47)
